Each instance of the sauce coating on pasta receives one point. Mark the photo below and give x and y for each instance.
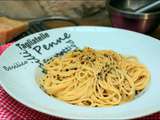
(95, 78)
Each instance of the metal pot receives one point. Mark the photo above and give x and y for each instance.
(123, 16)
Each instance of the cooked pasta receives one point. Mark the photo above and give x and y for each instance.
(95, 78)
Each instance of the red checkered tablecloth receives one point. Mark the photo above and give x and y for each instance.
(10, 109)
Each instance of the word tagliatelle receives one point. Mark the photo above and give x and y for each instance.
(95, 78)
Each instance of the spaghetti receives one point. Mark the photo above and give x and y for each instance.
(95, 78)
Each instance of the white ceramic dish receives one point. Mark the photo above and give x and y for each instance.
(19, 63)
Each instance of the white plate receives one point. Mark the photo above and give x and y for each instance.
(19, 81)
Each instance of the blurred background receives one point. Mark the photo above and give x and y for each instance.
(29, 9)
(120, 13)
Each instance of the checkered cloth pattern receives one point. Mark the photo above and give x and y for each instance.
(10, 109)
